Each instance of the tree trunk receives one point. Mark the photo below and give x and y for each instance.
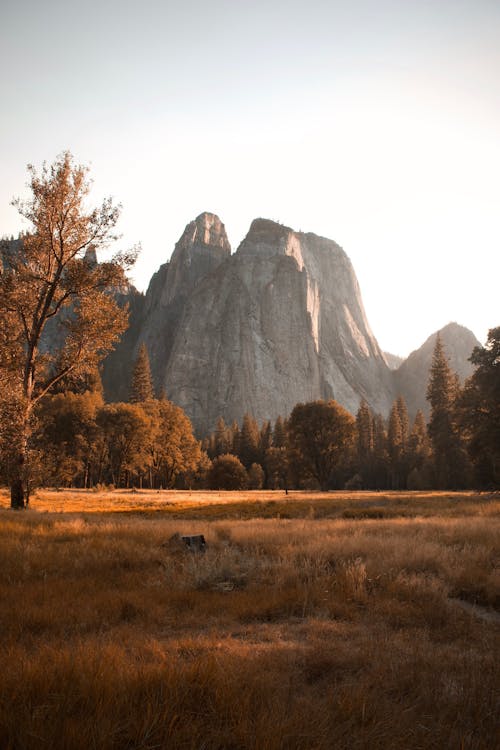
(17, 494)
(18, 490)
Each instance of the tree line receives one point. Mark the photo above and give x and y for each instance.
(59, 318)
(321, 445)
(79, 440)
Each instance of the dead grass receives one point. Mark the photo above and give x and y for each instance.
(314, 631)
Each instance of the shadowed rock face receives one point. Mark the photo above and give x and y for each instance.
(279, 322)
(412, 377)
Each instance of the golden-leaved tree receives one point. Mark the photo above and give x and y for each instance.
(58, 314)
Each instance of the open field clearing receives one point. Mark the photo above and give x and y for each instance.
(216, 504)
(334, 620)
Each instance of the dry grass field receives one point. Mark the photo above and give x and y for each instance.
(312, 621)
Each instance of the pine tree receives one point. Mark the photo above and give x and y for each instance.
(235, 439)
(380, 452)
(364, 438)
(404, 422)
(249, 442)
(480, 411)
(142, 384)
(279, 434)
(222, 437)
(395, 445)
(265, 439)
(448, 454)
(418, 455)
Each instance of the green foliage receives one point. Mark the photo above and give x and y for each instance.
(255, 477)
(276, 466)
(480, 411)
(321, 435)
(126, 431)
(69, 438)
(142, 383)
(279, 434)
(227, 473)
(397, 443)
(173, 447)
(449, 456)
(249, 442)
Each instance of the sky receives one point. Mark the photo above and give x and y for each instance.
(375, 123)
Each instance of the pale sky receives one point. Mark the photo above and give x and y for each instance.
(375, 123)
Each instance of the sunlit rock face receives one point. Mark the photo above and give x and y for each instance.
(202, 247)
(279, 322)
(412, 377)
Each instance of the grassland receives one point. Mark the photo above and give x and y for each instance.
(335, 620)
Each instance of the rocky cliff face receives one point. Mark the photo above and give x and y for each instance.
(412, 377)
(202, 247)
(279, 322)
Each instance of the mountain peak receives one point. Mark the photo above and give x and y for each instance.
(207, 229)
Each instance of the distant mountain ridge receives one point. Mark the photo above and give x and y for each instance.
(412, 375)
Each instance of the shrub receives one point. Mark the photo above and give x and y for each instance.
(255, 477)
(227, 473)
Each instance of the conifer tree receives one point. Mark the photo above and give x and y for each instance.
(235, 439)
(418, 455)
(404, 422)
(142, 383)
(380, 452)
(480, 411)
(364, 438)
(364, 431)
(265, 438)
(395, 445)
(279, 434)
(249, 442)
(448, 454)
(222, 438)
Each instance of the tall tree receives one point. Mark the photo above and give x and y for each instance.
(126, 430)
(68, 437)
(380, 453)
(227, 473)
(50, 277)
(419, 452)
(480, 411)
(397, 443)
(249, 442)
(174, 449)
(321, 435)
(404, 422)
(279, 434)
(442, 391)
(223, 438)
(142, 382)
(364, 442)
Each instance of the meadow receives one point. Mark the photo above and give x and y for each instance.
(311, 621)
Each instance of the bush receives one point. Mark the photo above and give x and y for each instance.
(255, 477)
(227, 473)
